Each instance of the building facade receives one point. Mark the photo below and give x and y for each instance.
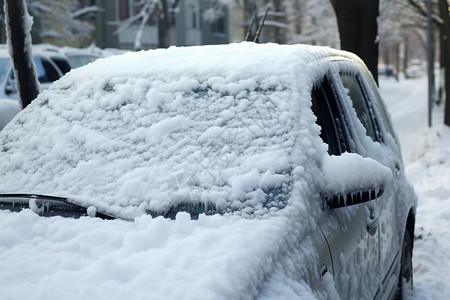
(186, 25)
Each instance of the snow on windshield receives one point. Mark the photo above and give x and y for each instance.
(135, 143)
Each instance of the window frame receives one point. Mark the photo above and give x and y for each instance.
(369, 84)
(326, 106)
(376, 135)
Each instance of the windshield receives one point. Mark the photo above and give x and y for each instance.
(131, 145)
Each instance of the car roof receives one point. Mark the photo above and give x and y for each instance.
(247, 57)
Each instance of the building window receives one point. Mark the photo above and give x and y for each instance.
(192, 15)
(218, 26)
(124, 9)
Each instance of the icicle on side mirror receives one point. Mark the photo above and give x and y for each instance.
(352, 179)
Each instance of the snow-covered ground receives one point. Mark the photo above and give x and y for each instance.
(426, 154)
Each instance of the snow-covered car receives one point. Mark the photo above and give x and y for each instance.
(239, 171)
(415, 69)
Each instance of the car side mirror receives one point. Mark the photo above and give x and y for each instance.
(352, 179)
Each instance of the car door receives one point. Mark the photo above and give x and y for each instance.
(372, 115)
(351, 232)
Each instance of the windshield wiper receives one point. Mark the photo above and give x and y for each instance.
(193, 210)
(47, 206)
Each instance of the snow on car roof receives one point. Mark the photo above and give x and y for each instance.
(209, 126)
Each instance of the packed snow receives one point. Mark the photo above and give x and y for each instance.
(224, 257)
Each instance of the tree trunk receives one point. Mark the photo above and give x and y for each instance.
(397, 60)
(358, 29)
(444, 52)
(279, 33)
(163, 25)
(18, 27)
(405, 54)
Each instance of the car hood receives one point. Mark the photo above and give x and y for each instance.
(214, 257)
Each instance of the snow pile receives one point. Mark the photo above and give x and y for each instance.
(154, 130)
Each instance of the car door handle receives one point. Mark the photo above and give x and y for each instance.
(372, 224)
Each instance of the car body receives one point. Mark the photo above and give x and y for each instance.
(269, 171)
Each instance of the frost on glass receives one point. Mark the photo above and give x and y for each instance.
(158, 146)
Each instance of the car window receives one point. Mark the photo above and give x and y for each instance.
(51, 72)
(62, 64)
(360, 104)
(379, 103)
(45, 71)
(329, 118)
(40, 71)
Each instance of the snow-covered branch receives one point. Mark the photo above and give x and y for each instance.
(85, 10)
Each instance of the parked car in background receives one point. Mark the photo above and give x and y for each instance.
(250, 172)
(47, 72)
(386, 70)
(416, 68)
(68, 58)
(51, 63)
(55, 54)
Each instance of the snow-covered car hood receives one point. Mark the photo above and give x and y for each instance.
(143, 132)
(214, 257)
